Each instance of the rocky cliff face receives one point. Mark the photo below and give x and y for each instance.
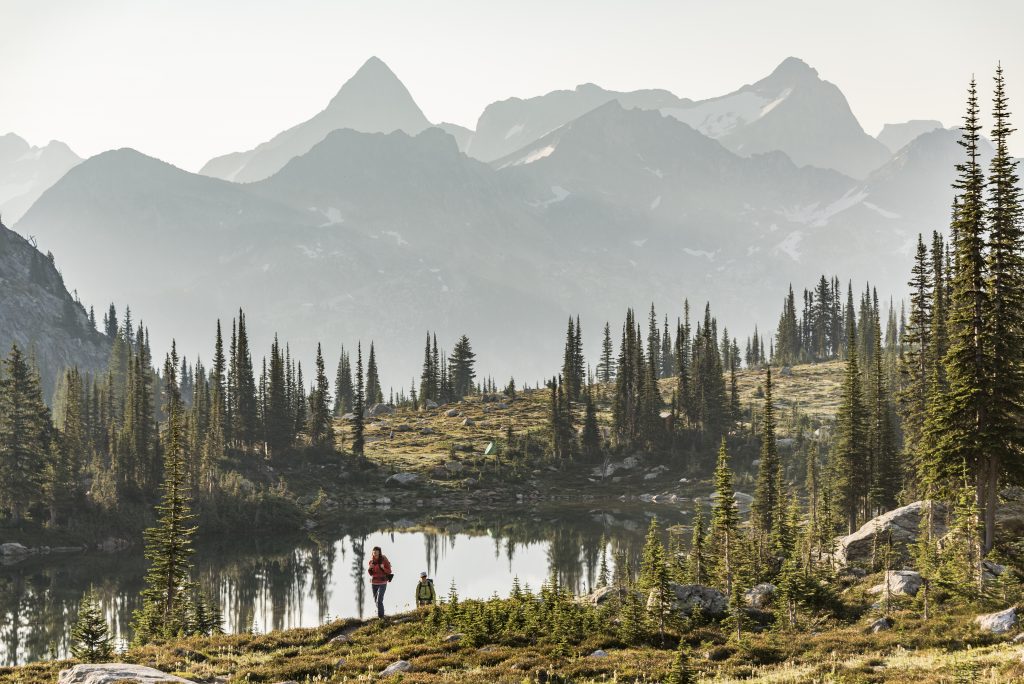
(39, 315)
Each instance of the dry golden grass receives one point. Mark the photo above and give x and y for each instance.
(945, 651)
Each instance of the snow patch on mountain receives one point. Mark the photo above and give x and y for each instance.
(710, 256)
(532, 156)
(399, 240)
(656, 202)
(814, 216)
(332, 214)
(515, 130)
(882, 212)
(776, 102)
(790, 245)
(309, 252)
(558, 194)
(719, 116)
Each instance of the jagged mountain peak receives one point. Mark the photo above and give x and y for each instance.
(374, 80)
(373, 100)
(26, 171)
(793, 68)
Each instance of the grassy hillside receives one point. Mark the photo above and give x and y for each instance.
(423, 441)
(948, 649)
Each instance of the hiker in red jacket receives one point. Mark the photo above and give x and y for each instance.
(380, 575)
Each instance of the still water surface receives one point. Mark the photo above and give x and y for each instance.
(266, 583)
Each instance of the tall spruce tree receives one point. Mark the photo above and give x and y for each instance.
(697, 570)
(24, 435)
(963, 415)
(767, 491)
(320, 427)
(606, 366)
(915, 362)
(725, 525)
(343, 395)
(277, 418)
(849, 452)
(429, 381)
(165, 599)
(655, 579)
(590, 439)
(1003, 333)
(461, 366)
(885, 474)
(358, 406)
(374, 393)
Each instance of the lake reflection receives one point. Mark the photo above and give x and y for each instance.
(279, 583)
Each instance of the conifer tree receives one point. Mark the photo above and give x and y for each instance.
(246, 386)
(429, 382)
(24, 435)
(734, 389)
(668, 365)
(926, 556)
(684, 379)
(885, 470)
(110, 326)
(1003, 334)
(461, 366)
(590, 440)
(344, 395)
(938, 338)
(915, 362)
(90, 636)
(725, 524)
(606, 366)
(278, 419)
(578, 361)
(625, 404)
(358, 406)
(374, 394)
(787, 339)
(961, 568)
(964, 415)
(165, 601)
(655, 579)
(298, 403)
(680, 672)
(849, 453)
(766, 501)
(320, 426)
(653, 342)
(697, 571)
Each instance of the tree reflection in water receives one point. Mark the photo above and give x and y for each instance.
(290, 581)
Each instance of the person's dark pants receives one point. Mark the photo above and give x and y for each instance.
(378, 597)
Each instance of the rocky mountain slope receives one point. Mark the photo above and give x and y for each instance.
(39, 315)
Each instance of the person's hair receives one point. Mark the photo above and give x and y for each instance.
(377, 549)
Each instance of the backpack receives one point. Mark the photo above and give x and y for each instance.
(433, 594)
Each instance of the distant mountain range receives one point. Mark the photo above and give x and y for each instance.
(584, 201)
(27, 171)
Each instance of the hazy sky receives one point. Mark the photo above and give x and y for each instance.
(186, 80)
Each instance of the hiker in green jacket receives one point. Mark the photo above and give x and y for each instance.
(425, 594)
